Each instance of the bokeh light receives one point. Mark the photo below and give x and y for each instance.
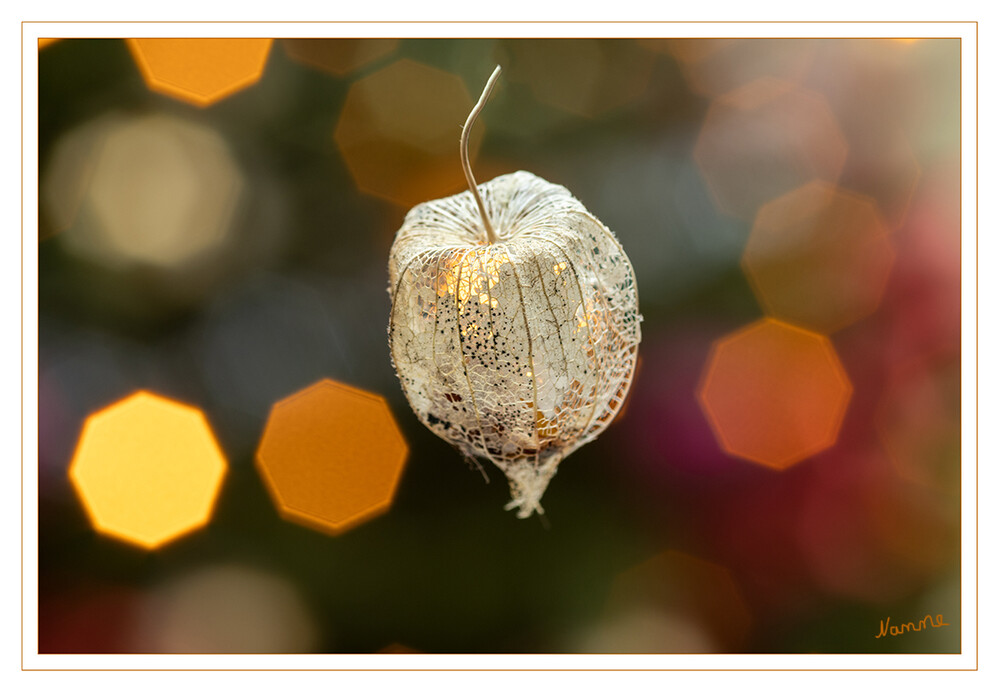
(200, 71)
(880, 93)
(875, 86)
(923, 298)
(882, 165)
(147, 469)
(66, 176)
(765, 139)
(226, 609)
(692, 603)
(331, 456)
(398, 132)
(868, 537)
(645, 631)
(338, 56)
(713, 67)
(686, 50)
(586, 77)
(774, 393)
(919, 421)
(232, 255)
(159, 191)
(819, 257)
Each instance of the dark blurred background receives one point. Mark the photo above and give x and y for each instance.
(224, 244)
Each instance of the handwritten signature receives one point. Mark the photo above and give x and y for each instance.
(895, 630)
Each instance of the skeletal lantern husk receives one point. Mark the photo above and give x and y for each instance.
(520, 351)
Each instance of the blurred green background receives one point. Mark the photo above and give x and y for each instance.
(228, 255)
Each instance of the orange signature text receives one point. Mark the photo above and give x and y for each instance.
(895, 630)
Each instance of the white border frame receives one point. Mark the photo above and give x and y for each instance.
(967, 660)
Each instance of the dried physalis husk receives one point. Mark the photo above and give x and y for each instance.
(519, 350)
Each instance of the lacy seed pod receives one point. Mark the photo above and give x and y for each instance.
(514, 339)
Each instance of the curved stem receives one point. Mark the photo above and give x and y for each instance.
(463, 149)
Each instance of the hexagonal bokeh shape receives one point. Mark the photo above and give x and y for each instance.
(687, 50)
(225, 608)
(200, 71)
(66, 177)
(919, 422)
(338, 56)
(398, 132)
(882, 165)
(866, 536)
(331, 456)
(774, 393)
(765, 139)
(587, 77)
(160, 191)
(819, 257)
(715, 66)
(689, 589)
(147, 469)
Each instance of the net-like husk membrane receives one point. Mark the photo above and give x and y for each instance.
(521, 351)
